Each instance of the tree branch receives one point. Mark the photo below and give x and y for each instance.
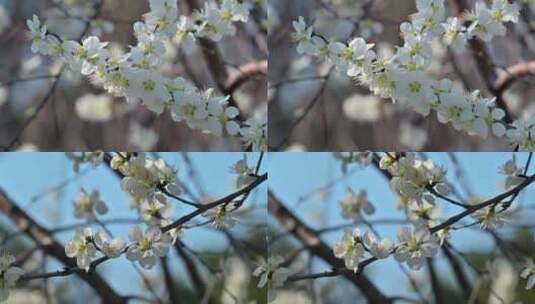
(43, 237)
(317, 247)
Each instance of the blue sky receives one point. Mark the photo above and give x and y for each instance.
(292, 176)
(25, 175)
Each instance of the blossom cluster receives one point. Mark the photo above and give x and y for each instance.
(402, 77)
(353, 247)
(136, 75)
(416, 182)
(149, 182)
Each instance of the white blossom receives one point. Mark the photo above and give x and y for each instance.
(350, 248)
(379, 248)
(355, 205)
(82, 247)
(529, 274)
(415, 246)
(512, 172)
(221, 217)
(111, 248)
(245, 174)
(272, 274)
(87, 206)
(147, 245)
(37, 33)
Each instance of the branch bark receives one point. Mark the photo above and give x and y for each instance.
(245, 72)
(43, 237)
(512, 74)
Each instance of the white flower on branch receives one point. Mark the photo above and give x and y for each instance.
(37, 33)
(147, 245)
(111, 248)
(303, 36)
(401, 77)
(413, 177)
(144, 176)
(350, 248)
(512, 171)
(155, 209)
(272, 274)
(245, 174)
(529, 274)
(221, 217)
(87, 206)
(355, 205)
(423, 213)
(82, 248)
(9, 275)
(455, 34)
(415, 246)
(379, 248)
(490, 218)
(136, 75)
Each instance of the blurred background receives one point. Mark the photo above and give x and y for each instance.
(223, 259)
(313, 109)
(312, 185)
(79, 116)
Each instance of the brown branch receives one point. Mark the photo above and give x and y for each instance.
(465, 285)
(224, 200)
(245, 72)
(193, 272)
(169, 282)
(435, 283)
(317, 247)
(513, 73)
(43, 237)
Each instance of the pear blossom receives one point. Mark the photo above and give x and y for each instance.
(9, 275)
(455, 33)
(37, 33)
(350, 248)
(512, 171)
(379, 248)
(111, 248)
(221, 217)
(135, 75)
(155, 209)
(401, 77)
(82, 248)
(245, 174)
(355, 204)
(272, 274)
(490, 218)
(147, 245)
(87, 206)
(254, 132)
(529, 274)
(303, 36)
(415, 246)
